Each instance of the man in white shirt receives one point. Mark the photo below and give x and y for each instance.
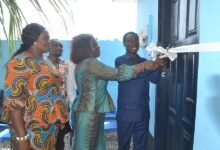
(68, 86)
(71, 87)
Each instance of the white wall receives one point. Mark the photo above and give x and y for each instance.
(104, 19)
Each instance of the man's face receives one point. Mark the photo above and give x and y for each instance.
(56, 48)
(131, 43)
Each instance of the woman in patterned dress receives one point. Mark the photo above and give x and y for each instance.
(33, 103)
(93, 100)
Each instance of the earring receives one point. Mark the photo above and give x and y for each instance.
(35, 43)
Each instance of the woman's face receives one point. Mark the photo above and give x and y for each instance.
(43, 42)
(95, 48)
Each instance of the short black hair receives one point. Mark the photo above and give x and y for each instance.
(81, 48)
(55, 41)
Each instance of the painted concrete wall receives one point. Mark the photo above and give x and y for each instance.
(3, 60)
(147, 17)
(207, 126)
(109, 51)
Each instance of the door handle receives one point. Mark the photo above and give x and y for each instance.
(190, 100)
(165, 73)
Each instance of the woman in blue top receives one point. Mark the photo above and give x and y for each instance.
(93, 99)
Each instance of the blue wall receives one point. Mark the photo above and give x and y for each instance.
(109, 51)
(148, 17)
(207, 127)
(4, 58)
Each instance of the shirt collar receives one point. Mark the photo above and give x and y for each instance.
(128, 56)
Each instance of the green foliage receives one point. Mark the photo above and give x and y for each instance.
(17, 17)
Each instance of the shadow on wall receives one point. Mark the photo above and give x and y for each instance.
(214, 100)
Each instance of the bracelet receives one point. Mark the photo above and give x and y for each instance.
(24, 138)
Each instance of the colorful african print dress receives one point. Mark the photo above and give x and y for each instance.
(33, 85)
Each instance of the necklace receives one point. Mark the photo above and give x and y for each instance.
(33, 55)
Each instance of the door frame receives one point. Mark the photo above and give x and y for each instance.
(164, 14)
(165, 39)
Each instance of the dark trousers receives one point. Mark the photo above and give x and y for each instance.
(137, 130)
(60, 137)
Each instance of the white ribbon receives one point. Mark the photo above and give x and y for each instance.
(171, 53)
(158, 51)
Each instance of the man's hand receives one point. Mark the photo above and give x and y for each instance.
(162, 62)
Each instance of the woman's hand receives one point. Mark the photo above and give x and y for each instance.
(151, 65)
(17, 122)
(24, 145)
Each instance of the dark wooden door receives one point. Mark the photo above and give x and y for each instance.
(176, 93)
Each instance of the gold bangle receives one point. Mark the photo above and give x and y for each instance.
(24, 138)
